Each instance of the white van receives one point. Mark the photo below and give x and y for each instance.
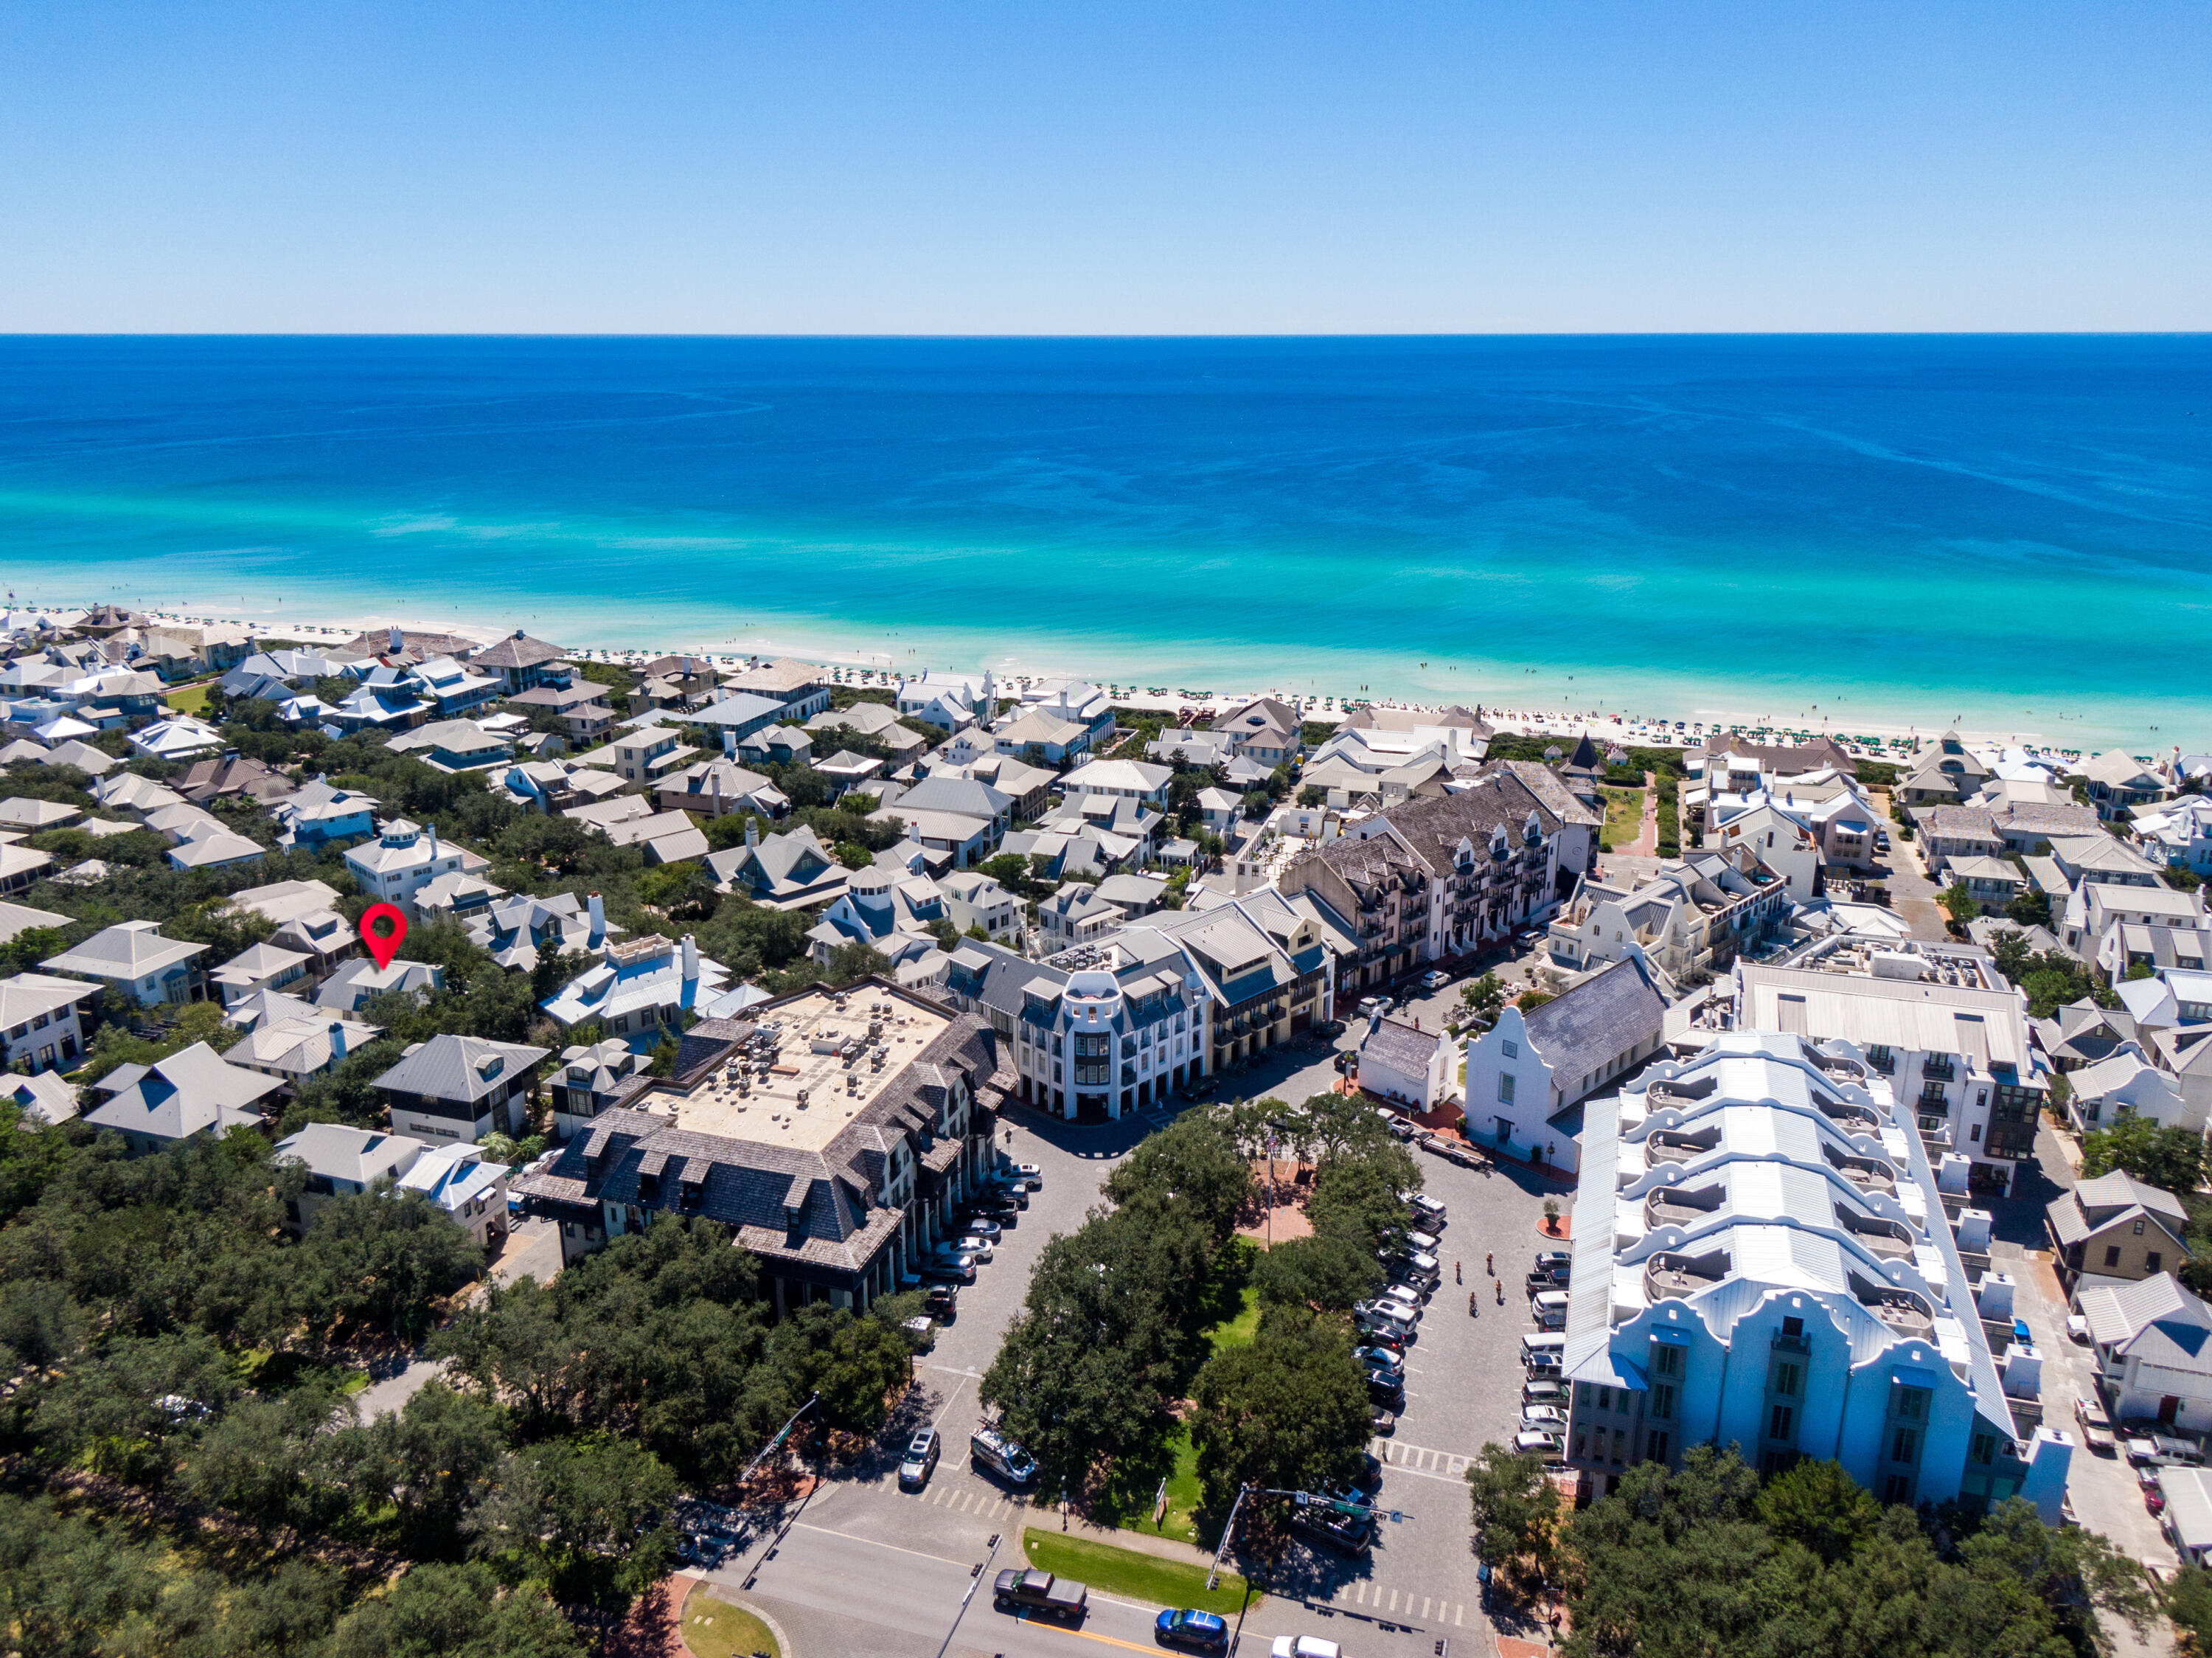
(1550, 1306)
(1540, 1341)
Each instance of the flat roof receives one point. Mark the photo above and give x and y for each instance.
(771, 1112)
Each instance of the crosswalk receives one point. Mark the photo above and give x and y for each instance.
(1434, 1610)
(1419, 1458)
(958, 1496)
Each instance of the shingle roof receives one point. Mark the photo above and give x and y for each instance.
(1597, 1022)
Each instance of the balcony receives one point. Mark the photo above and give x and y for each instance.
(1938, 1071)
(1672, 1149)
(1888, 1242)
(1868, 1177)
(1884, 1062)
(1903, 1313)
(1670, 1207)
(1675, 1277)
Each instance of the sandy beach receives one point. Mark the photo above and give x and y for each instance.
(1683, 727)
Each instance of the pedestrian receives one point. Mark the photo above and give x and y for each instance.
(1490, 1264)
(1501, 1292)
(1475, 1303)
(1458, 1277)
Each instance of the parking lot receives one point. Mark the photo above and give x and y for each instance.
(864, 1567)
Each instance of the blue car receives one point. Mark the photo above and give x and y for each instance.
(1199, 1631)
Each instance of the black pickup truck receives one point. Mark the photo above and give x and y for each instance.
(1042, 1593)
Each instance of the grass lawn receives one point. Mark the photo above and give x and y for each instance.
(1237, 1332)
(1124, 1571)
(713, 1628)
(1624, 817)
(192, 699)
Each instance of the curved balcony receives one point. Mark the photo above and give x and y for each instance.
(1903, 1312)
(1885, 1239)
(1865, 1173)
(1674, 1149)
(1675, 1277)
(1669, 1206)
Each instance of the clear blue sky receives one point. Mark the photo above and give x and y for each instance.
(1104, 167)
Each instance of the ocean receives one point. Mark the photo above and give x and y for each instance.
(2013, 533)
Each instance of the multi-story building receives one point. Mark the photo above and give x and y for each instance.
(1762, 1259)
(404, 859)
(1147, 1010)
(1692, 915)
(834, 1132)
(1435, 876)
(1937, 1020)
(39, 1027)
(459, 1087)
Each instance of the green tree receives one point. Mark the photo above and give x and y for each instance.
(1959, 904)
(1328, 1273)
(1357, 1197)
(854, 1363)
(1194, 1160)
(455, 1612)
(1515, 1511)
(2172, 1159)
(588, 1517)
(379, 1258)
(1289, 1409)
(433, 1460)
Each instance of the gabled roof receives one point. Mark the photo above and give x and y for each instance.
(2121, 1190)
(459, 1068)
(181, 1095)
(2155, 1320)
(1594, 1023)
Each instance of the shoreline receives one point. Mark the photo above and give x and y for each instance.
(1893, 739)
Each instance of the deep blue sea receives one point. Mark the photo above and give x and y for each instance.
(2016, 532)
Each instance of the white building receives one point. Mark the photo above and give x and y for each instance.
(191, 1092)
(134, 958)
(403, 859)
(2154, 1345)
(39, 1026)
(1529, 1069)
(639, 990)
(1938, 1019)
(1761, 1258)
(1406, 1065)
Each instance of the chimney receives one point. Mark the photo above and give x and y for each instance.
(398, 640)
(729, 744)
(432, 828)
(752, 831)
(338, 1041)
(599, 913)
(691, 960)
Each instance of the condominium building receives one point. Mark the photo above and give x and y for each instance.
(1762, 1259)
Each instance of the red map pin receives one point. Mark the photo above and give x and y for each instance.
(383, 929)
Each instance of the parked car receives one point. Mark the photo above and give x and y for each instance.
(1543, 1393)
(1370, 1006)
(1550, 1308)
(1543, 1364)
(994, 1454)
(1386, 1336)
(2141, 1452)
(2077, 1328)
(942, 1303)
(1350, 1533)
(982, 1227)
(2096, 1426)
(1546, 1277)
(1386, 1389)
(1403, 1294)
(975, 1252)
(1376, 1317)
(1029, 1171)
(922, 1454)
(1192, 1630)
(943, 1271)
(1384, 1423)
(1367, 1480)
(1425, 1243)
(1538, 1441)
(1435, 980)
(1040, 1592)
(1543, 1416)
(1380, 1358)
(1304, 1646)
(1562, 1258)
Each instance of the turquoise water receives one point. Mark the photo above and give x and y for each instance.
(2012, 532)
